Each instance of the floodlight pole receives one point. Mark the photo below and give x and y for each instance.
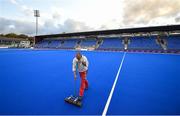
(36, 26)
(36, 15)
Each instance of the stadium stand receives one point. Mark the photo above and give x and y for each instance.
(42, 44)
(173, 43)
(134, 43)
(88, 43)
(162, 41)
(68, 44)
(13, 43)
(111, 43)
(54, 44)
(143, 43)
(146, 39)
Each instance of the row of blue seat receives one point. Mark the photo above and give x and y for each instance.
(71, 43)
(112, 43)
(173, 42)
(143, 43)
(88, 43)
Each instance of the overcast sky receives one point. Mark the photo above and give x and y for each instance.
(59, 16)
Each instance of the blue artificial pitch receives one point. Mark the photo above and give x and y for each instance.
(37, 81)
(148, 84)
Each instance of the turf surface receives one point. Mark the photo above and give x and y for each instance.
(37, 81)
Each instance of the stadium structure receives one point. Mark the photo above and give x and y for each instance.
(14, 43)
(160, 39)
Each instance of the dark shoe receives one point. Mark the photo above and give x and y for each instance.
(80, 98)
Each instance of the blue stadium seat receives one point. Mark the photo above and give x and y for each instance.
(88, 42)
(111, 43)
(42, 44)
(69, 44)
(143, 43)
(174, 43)
(55, 44)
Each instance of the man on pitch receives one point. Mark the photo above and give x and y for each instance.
(81, 62)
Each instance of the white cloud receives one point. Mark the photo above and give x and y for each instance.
(68, 25)
(143, 11)
(14, 26)
(71, 25)
(14, 2)
(49, 27)
(177, 18)
(27, 10)
(11, 26)
(97, 12)
(57, 13)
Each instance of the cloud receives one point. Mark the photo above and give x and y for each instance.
(71, 25)
(13, 26)
(27, 10)
(112, 24)
(57, 13)
(143, 11)
(49, 27)
(14, 2)
(177, 18)
(68, 25)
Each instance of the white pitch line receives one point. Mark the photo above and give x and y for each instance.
(113, 87)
